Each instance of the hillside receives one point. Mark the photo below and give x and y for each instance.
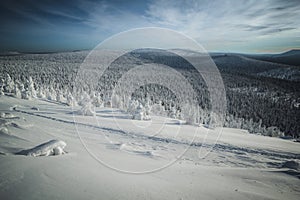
(101, 158)
(291, 57)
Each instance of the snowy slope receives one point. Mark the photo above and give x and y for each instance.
(100, 150)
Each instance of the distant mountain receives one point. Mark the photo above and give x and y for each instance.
(291, 57)
(232, 63)
(245, 64)
(9, 53)
(290, 53)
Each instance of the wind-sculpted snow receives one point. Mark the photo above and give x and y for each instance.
(50, 148)
(219, 147)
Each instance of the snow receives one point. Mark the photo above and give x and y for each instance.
(238, 165)
(52, 147)
(4, 115)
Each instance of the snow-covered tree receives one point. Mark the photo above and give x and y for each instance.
(40, 92)
(190, 113)
(97, 100)
(87, 108)
(17, 92)
(147, 110)
(60, 97)
(9, 84)
(173, 112)
(273, 131)
(31, 89)
(71, 100)
(116, 101)
(51, 94)
(158, 109)
(1, 90)
(140, 113)
(132, 107)
(24, 93)
(214, 120)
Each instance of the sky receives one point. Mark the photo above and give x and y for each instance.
(248, 26)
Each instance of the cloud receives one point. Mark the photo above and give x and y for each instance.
(227, 21)
(217, 25)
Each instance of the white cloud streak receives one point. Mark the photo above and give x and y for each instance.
(221, 23)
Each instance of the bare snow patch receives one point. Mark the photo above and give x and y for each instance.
(50, 148)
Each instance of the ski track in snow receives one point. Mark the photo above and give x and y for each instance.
(246, 155)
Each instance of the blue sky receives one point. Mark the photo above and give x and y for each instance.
(253, 26)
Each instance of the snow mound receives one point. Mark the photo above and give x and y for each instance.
(291, 165)
(136, 149)
(4, 130)
(50, 148)
(4, 115)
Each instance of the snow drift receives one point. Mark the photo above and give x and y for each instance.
(52, 147)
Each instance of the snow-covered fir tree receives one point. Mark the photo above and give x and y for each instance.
(17, 92)
(140, 113)
(31, 89)
(9, 84)
(87, 108)
(1, 90)
(71, 100)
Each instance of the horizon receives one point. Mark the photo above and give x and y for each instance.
(11, 53)
(250, 27)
